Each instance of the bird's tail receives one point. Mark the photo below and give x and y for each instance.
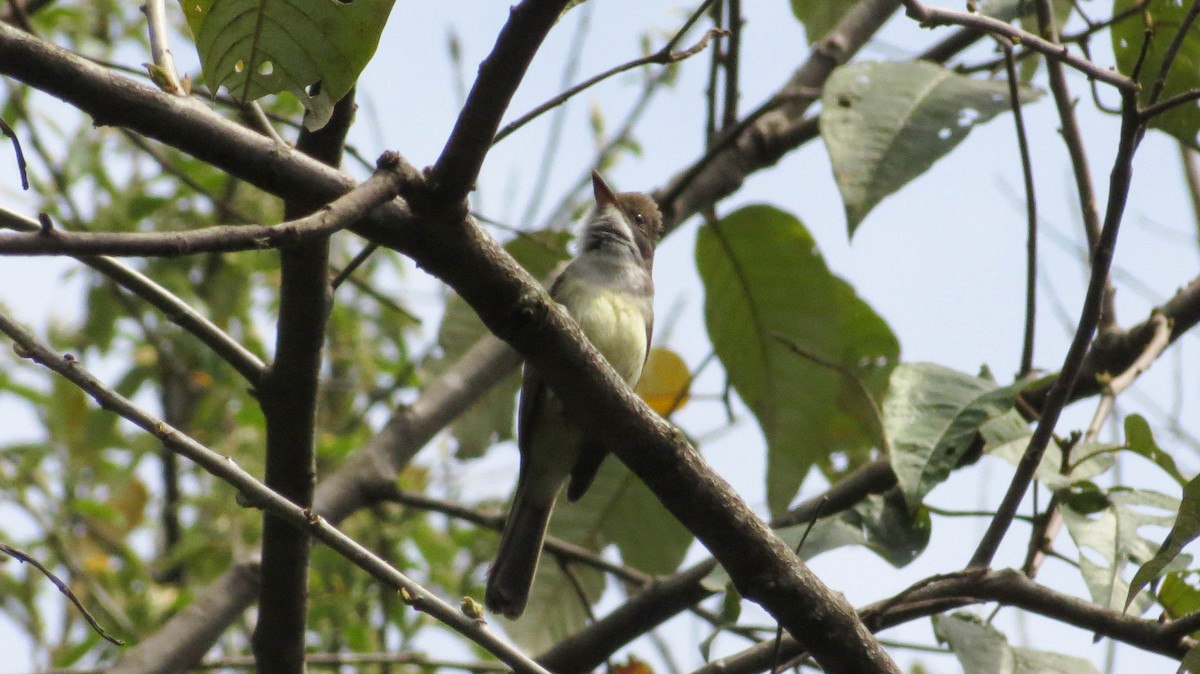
(511, 576)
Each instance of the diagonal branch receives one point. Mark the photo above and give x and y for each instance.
(363, 479)
(176, 310)
(1060, 390)
(62, 587)
(256, 493)
(454, 174)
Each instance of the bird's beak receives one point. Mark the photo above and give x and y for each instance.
(604, 194)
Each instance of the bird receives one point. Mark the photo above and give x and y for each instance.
(609, 290)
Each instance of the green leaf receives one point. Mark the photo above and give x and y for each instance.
(1184, 531)
(254, 48)
(982, 649)
(490, 419)
(1112, 534)
(882, 523)
(1179, 593)
(767, 287)
(1191, 660)
(1088, 459)
(820, 17)
(886, 123)
(620, 509)
(932, 414)
(1163, 19)
(1140, 440)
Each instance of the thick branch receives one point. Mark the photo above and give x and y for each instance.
(455, 172)
(288, 396)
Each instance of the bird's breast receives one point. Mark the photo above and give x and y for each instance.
(615, 322)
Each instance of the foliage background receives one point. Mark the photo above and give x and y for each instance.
(941, 261)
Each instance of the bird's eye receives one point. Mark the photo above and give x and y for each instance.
(641, 219)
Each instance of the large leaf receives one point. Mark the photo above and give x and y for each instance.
(767, 289)
(1112, 534)
(254, 47)
(886, 123)
(1162, 19)
(490, 420)
(931, 415)
(1088, 459)
(1184, 531)
(983, 649)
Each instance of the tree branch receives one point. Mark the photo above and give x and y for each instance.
(1060, 391)
(356, 484)
(288, 396)
(454, 174)
(347, 210)
(176, 310)
(256, 493)
(935, 16)
(62, 587)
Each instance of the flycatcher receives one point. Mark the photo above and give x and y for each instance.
(609, 291)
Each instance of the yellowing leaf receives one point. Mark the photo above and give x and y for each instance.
(665, 381)
(633, 666)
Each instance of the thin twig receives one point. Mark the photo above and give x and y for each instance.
(730, 60)
(664, 56)
(176, 310)
(1060, 391)
(1014, 96)
(1181, 98)
(62, 587)
(1073, 139)
(935, 16)
(1191, 172)
(1169, 56)
(21, 166)
(557, 546)
(163, 70)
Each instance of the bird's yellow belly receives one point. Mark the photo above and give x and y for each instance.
(616, 325)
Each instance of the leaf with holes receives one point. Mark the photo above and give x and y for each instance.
(1184, 531)
(767, 290)
(1161, 20)
(886, 123)
(254, 48)
(983, 649)
(1112, 535)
